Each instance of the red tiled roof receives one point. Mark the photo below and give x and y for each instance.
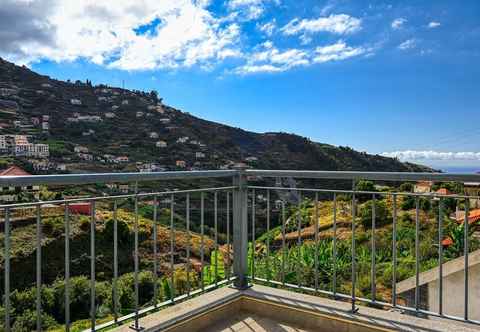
(444, 191)
(447, 242)
(473, 216)
(14, 171)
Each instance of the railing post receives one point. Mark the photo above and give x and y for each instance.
(240, 229)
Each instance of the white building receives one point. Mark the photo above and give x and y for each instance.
(153, 135)
(45, 126)
(110, 115)
(161, 144)
(115, 107)
(75, 101)
(183, 139)
(125, 102)
(199, 155)
(89, 118)
(139, 114)
(80, 149)
(164, 120)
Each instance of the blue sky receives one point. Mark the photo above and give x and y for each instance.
(395, 77)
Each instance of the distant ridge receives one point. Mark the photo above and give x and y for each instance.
(132, 123)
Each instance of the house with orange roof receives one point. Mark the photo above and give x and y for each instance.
(473, 217)
(9, 193)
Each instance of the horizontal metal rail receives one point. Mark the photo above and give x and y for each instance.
(79, 179)
(112, 197)
(379, 176)
(378, 193)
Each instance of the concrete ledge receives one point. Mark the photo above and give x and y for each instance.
(308, 312)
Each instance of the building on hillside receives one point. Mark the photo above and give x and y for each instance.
(183, 139)
(122, 159)
(11, 194)
(115, 107)
(473, 216)
(75, 101)
(153, 135)
(110, 115)
(3, 144)
(453, 287)
(139, 114)
(444, 191)
(165, 120)
(45, 118)
(85, 156)
(199, 155)
(161, 144)
(423, 187)
(251, 159)
(89, 118)
(45, 126)
(181, 163)
(125, 102)
(80, 149)
(35, 120)
(81, 208)
(473, 189)
(89, 132)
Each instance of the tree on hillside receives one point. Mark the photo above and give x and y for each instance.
(382, 214)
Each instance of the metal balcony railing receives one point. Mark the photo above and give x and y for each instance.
(243, 206)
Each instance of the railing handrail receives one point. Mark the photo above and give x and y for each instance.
(90, 178)
(357, 175)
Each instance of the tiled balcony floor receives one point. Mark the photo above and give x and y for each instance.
(248, 322)
(261, 308)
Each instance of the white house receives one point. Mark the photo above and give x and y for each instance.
(110, 115)
(161, 144)
(125, 102)
(183, 139)
(139, 114)
(153, 135)
(80, 149)
(75, 101)
(115, 107)
(199, 155)
(45, 126)
(164, 120)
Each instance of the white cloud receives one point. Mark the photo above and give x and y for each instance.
(270, 59)
(251, 9)
(432, 155)
(338, 24)
(337, 51)
(105, 34)
(398, 23)
(268, 28)
(433, 25)
(408, 44)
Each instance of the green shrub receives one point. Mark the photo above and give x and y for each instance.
(382, 214)
(27, 322)
(123, 231)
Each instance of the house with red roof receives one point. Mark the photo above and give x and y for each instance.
(10, 193)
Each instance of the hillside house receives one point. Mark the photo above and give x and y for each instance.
(473, 216)
(3, 144)
(102, 99)
(453, 287)
(473, 189)
(115, 107)
(89, 118)
(423, 187)
(122, 159)
(110, 115)
(153, 135)
(45, 126)
(124, 102)
(75, 101)
(35, 120)
(199, 155)
(181, 163)
(161, 144)
(251, 159)
(85, 156)
(89, 132)
(183, 139)
(139, 114)
(72, 120)
(80, 149)
(10, 194)
(165, 120)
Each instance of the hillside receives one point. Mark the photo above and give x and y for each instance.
(111, 122)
